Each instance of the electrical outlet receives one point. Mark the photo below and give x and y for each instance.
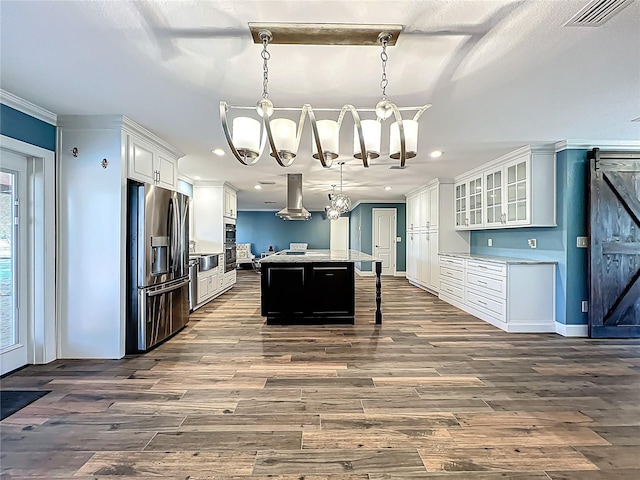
(532, 242)
(582, 242)
(585, 306)
(398, 239)
(490, 242)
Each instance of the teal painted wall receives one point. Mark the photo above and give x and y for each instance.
(555, 243)
(26, 128)
(361, 231)
(262, 229)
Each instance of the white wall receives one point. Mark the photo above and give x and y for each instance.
(92, 250)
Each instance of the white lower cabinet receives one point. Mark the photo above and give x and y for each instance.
(213, 283)
(229, 279)
(514, 295)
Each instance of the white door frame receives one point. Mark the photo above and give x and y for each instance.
(41, 250)
(393, 233)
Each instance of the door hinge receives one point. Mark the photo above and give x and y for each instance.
(17, 210)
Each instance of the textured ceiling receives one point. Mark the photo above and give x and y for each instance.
(500, 74)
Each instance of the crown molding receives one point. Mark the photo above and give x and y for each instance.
(31, 109)
(90, 122)
(603, 144)
(185, 178)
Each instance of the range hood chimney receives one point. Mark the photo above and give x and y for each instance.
(294, 209)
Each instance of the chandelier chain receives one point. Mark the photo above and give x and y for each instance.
(265, 56)
(384, 57)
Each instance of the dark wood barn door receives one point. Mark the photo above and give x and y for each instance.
(614, 236)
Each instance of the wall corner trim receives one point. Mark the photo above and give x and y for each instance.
(24, 106)
(572, 330)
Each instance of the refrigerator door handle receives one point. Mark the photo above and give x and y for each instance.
(168, 288)
(171, 227)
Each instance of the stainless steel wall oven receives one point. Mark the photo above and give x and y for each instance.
(229, 247)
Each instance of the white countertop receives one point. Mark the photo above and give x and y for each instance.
(499, 259)
(307, 256)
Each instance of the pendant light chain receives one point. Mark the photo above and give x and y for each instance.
(341, 163)
(265, 56)
(384, 57)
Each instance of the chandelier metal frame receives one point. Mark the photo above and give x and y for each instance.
(265, 108)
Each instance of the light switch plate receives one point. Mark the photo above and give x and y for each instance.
(582, 242)
(585, 306)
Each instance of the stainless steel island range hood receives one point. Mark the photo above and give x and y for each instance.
(294, 209)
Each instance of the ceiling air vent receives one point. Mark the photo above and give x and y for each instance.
(596, 12)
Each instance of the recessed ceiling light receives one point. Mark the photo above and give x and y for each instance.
(387, 188)
(436, 154)
(258, 186)
(218, 151)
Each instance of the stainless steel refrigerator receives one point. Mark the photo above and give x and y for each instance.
(157, 265)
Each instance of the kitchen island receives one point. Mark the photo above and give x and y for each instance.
(313, 286)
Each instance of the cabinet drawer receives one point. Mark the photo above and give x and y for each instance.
(449, 274)
(493, 306)
(485, 268)
(497, 285)
(229, 279)
(453, 291)
(452, 262)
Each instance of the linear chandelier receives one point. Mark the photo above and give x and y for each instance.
(249, 136)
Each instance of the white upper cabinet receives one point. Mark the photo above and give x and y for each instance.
(413, 212)
(230, 202)
(433, 206)
(469, 203)
(462, 217)
(494, 188)
(424, 220)
(148, 163)
(519, 190)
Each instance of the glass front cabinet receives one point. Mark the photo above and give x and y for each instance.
(519, 190)
(468, 203)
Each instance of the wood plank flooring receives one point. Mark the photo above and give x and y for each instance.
(433, 393)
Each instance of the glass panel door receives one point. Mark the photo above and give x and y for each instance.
(493, 188)
(461, 205)
(13, 352)
(475, 201)
(517, 192)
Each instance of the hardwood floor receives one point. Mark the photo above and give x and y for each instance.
(432, 394)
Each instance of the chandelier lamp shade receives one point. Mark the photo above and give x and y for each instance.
(248, 136)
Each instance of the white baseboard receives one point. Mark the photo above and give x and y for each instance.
(400, 274)
(424, 287)
(572, 330)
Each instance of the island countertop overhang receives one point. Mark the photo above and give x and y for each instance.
(313, 256)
